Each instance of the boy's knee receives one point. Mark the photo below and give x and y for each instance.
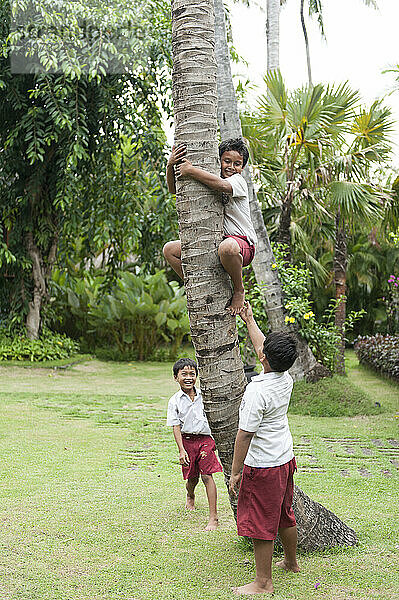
(206, 478)
(171, 249)
(228, 247)
(192, 481)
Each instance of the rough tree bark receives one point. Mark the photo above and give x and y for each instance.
(40, 277)
(339, 265)
(230, 127)
(200, 215)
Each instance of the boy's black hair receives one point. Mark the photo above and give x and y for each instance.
(280, 351)
(236, 144)
(184, 362)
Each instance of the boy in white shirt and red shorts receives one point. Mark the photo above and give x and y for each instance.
(193, 437)
(264, 446)
(238, 246)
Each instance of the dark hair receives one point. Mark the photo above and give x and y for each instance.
(184, 362)
(280, 351)
(238, 145)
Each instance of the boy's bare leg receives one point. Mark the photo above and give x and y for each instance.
(190, 487)
(289, 536)
(172, 253)
(231, 259)
(211, 492)
(263, 583)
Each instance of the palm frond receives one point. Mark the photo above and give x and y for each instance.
(355, 201)
(372, 126)
(316, 8)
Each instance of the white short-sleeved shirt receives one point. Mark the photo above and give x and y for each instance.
(263, 410)
(187, 413)
(237, 216)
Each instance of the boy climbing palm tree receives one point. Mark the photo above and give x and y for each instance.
(238, 246)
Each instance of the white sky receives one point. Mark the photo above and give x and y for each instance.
(361, 43)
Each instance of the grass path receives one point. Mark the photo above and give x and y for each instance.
(91, 496)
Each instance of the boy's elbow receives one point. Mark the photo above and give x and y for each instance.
(246, 435)
(225, 187)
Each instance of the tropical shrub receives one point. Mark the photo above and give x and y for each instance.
(322, 335)
(380, 352)
(332, 397)
(50, 346)
(138, 315)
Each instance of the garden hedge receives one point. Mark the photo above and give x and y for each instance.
(380, 352)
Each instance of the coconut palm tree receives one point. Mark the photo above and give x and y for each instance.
(200, 214)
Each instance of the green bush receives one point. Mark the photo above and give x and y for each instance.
(143, 317)
(51, 346)
(331, 397)
(322, 335)
(380, 352)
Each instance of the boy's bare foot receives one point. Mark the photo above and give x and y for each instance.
(212, 525)
(283, 564)
(190, 502)
(237, 303)
(254, 587)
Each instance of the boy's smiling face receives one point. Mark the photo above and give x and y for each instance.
(186, 378)
(231, 162)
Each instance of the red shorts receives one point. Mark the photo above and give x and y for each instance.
(201, 452)
(247, 250)
(265, 501)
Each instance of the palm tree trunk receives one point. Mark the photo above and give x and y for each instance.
(273, 34)
(200, 214)
(230, 127)
(340, 263)
(318, 527)
(305, 35)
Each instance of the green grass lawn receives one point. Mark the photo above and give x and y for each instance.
(92, 496)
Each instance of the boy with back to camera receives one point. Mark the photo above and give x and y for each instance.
(264, 446)
(238, 246)
(193, 437)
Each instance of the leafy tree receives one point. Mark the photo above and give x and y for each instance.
(68, 97)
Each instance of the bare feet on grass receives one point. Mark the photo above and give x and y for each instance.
(212, 524)
(250, 589)
(237, 303)
(190, 502)
(283, 564)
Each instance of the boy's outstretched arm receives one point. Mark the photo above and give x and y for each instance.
(257, 337)
(183, 456)
(178, 152)
(214, 182)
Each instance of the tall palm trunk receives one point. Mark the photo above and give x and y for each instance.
(230, 127)
(200, 214)
(273, 34)
(340, 264)
(305, 36)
